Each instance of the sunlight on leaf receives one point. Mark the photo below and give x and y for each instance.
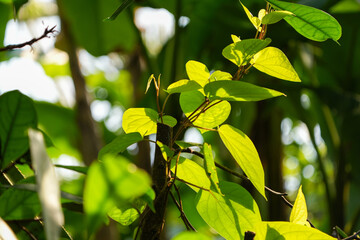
(235, 38)
(165, 150)
(48, 185)
(254, 20)
(299, 213)
(230, 214)
(238, 91)
(141, 120)
(241, 52)
(119, 144)
(198, 72)
(191, 236)
(220, 75)
(274, 62)
(210, 168)
(289, 231)
(126, 217)
(310, 22)
(183, 86)
(191, 172)
(275, 16)
(212, 117)
(245, 154)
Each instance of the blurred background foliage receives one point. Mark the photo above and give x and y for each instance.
(94, 70)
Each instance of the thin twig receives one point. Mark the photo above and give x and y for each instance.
(354, 236)
(46, 34)
(182, 214)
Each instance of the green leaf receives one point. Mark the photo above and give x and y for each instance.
(299, 213)
(310, 22)
(17, 114)
(183, 86)
(48, 185)
(191, 172)
(238, 91)
(245, 154)
(141, 120)
(119, 144)
(198, 72)
(230, 214)
(346, 6)
(274, 62)
(289, 231)
(114, 180)
(235, 38)
(241, 52)
(126, 217)
(254, 20)
(169, 120)
(212, 117)
(191, 236)
(219, 75)
(19, 204)
(121, 8)
(184, 145)
(210, 168)
(165, 150)
(275, 16)
(5, 13)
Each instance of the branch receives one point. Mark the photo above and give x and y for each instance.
(46, 34)
(354, 236)
(182, 214)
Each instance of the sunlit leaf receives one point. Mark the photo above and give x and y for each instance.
(183, 86)
(245, 154)
(17, 114)
(274, 62)
(220, 75)
(165, 150)
(141, 120)
(151, 78)
(310, 22)
(6, 232)
(120, 143)
(261, 14)
(169, 120)
(126, 217)
(210, 168)
(289, 231)
(184, 145)
(230, 214)
(299, 213)
(254, 20)
(48, 185)
(238, 91)
(191, 172)
(191, 236)
(114, 180)
(235, 38)
(198, 72)
(241, 52)
(212, 117)
(275, 16)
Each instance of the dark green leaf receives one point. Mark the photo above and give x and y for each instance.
(78, 169)
(17, 114)
(120, 143)
(310, 22)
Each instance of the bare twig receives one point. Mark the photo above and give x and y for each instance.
(354, 236)
(182, 214)
(46, 34)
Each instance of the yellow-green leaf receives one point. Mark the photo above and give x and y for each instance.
(288, 231)
(198, 72)
(212, 117)
(209, 165)
(241, 52)
(183, 85)
(254, 20)
(261, 14)
(238, 91)
(119, 144)
(191, 172)
(275, 16)
(220, 75)
(245, 154)
(235, 38)
(169, 120)
(141, 120)
(165, 150)
(299, 213)
(274, 62)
